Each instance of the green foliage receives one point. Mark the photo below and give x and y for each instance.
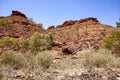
(49, 39)
(8, 42)
(35, 40)
(5, 23)
(118, 24)
(113, 42)
(40, 25)
(25, 45)
(15, 60)
(32, 43)
(44, 59)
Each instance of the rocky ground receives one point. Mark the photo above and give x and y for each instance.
(62, 68)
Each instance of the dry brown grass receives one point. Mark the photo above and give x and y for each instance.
(102, 58)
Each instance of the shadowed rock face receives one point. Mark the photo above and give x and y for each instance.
(51, 27)
(67, 50)
(17, 13)
(88, 19)
(67, 23)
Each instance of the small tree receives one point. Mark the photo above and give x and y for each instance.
(113, 42)
(33, 43)
(118, 24)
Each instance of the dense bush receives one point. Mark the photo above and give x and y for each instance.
(113, 42)
(15, 60)
(8, 42)
(32, 43)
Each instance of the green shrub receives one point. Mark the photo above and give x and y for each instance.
(32, 43)
(49, 40)
(113, 42)
(15, 60)
(8, 42)
(25, 45)
(118, 24)
(44, 59)
(5, 22)
(40, 25)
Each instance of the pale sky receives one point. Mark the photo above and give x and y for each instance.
(55, 12)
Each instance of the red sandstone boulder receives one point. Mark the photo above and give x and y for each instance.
(17, 13)
(88, 19)
(68, 23)
(67, 50)
(51, 27)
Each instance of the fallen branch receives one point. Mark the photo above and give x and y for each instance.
(118, 75)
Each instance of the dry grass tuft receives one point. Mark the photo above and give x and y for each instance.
(13, 59)
(44, 59)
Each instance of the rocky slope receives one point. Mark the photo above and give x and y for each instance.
(88, 31)
(17, 25)
(81, 33)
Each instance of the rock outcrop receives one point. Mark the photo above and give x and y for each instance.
(68, 23)
(51, 27)
(92, 20)
(17, 13)
(88, 19)
(80, 34)
(18, 27)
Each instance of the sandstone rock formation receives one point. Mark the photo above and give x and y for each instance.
(51, 27)
(72, 32)
(88, 19)
(68, 23)
(88, 31)
(17, 13)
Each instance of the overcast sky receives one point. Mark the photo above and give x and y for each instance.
(55, 12)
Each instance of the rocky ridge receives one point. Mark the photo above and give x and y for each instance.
(72, 33)
(81, 33)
